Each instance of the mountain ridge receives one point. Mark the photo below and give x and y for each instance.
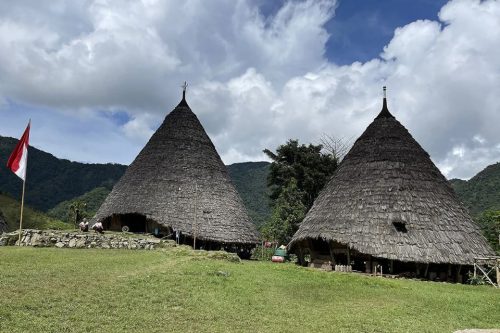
(481, 192)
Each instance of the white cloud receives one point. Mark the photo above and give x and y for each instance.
(140, 127)
(479, 139)
(256, 81)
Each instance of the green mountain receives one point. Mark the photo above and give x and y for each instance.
(93, 199)
(51, 180)
(10, 209)
(250, 180)
(481, 192)
(481, 195)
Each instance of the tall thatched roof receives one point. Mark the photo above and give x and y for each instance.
(178, 178)
(387, 199)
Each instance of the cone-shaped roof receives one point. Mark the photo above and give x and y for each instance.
(178, 176)
(388, 199)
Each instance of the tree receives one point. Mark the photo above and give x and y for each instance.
(335, 147)
(489, 221)
(288, 212)
(77, 211)
(296, 176)
(308, 165)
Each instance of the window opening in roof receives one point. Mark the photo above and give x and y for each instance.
(400, 226)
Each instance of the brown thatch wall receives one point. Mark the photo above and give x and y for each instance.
(387, 177)
(179, 174)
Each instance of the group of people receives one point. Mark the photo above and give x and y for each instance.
(97, 227)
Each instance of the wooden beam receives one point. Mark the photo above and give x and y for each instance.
(487, 277)
(497, 268)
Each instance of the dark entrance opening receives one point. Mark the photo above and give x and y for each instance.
(133, 222)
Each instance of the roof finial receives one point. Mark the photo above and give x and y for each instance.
(384, 106)
(385, 111)
(183, 102)
(184, 87)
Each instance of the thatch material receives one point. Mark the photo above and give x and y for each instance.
(178, 178)
(388, 178)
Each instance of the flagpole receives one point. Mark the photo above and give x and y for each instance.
(22, 207)
(195, 209)
(22, 197)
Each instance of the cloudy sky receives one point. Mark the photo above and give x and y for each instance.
(98, 77)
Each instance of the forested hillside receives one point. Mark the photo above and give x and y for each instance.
(51, 180)
(481, 192)
(481, 195)
(92, 199)
(250, 179)
(10, 209)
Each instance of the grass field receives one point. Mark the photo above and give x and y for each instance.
(67, 290)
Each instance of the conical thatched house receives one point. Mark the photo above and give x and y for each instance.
(388, 206)
(179, 184)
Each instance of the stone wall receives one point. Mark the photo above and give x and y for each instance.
(65, 239)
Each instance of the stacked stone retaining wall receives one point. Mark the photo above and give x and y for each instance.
(64, 239)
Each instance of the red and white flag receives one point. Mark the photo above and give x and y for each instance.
(18, 160)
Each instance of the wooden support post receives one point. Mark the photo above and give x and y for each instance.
(498, 272)
(195, 211)
(426, 270)
(348, 256)
(332, 257)
(457, 275)
(475, 270)
(391, 266)
(300, 254)
(417, 269)
(374, 267)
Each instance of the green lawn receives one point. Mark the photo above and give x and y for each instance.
(68, 290)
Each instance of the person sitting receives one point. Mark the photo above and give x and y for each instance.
(98, 227)
(84, 225)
